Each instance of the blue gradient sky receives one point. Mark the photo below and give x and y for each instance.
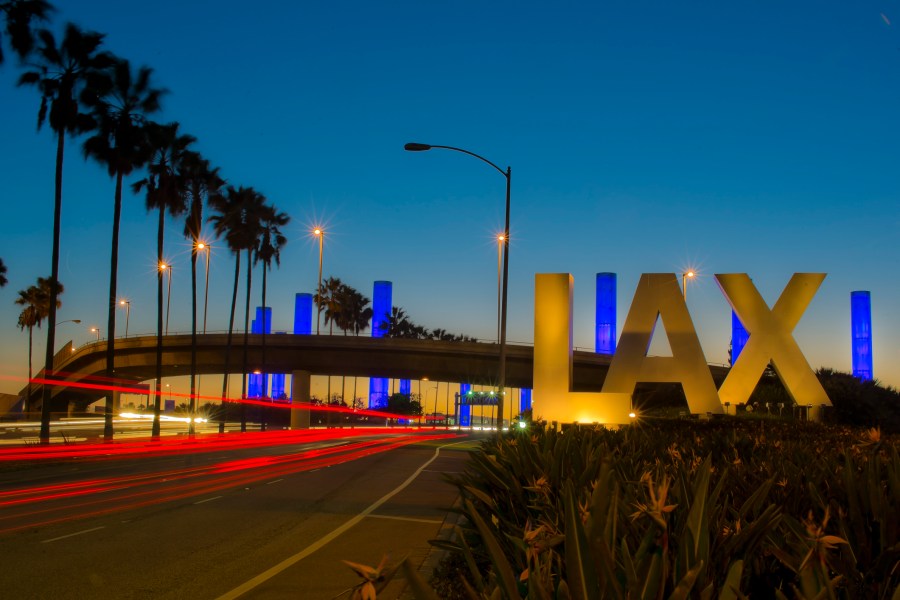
(644, 137)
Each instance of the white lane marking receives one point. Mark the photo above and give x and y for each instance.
(274, 481)
(413, 519)
(62, 537)
(207, 500)
(324, 540)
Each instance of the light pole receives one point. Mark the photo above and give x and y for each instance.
(97, 331)
(204, 247)
(416, 147)
(319, 233)
(167, 268)
(127, 305)
(500, 239)
(684, 278)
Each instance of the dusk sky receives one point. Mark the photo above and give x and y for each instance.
(758, 137)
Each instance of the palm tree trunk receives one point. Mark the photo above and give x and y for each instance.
(111, 322)
(154, 432)
(193, 403)
(246, 341)
(237, 271)
(54, 276)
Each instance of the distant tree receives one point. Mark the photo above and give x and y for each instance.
(36, 300)
(3, 279)
(120, 100)
(19, 16)
(329, 297)
(404, 404)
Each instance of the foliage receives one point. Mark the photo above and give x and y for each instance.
(19, 15)
(3, 280)
(682, 509)
(397, 324)
(403, 404)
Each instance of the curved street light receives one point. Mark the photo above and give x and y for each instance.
(97, 331)
(417, 147)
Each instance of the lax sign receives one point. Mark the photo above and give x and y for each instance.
(659, 295)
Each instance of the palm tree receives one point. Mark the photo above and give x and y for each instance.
(166, 190)
(233, 219)
(120, 101)
(36, 300)
(270, 243)
(353, 314)
(19, 14)
(203, 181)
(3, 279)
(61, 73)
(328, 296)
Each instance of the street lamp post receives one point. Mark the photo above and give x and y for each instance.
(168, 269)
(416, 147)
(500, 239)
(208, 249)
(127, 305)
(684, 278)
(97, 331)
(319, 233)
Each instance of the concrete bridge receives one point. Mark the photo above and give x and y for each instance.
(466, 362)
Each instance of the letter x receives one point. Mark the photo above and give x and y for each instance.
(771, 339)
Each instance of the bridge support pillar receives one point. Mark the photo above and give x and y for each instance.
(300, 388)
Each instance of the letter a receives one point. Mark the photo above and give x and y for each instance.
(771, 339)
(658, 295)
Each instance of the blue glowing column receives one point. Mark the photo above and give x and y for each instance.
(405, 387)
(382, 301)
(524, 400)
(861, 333)
(465, 410)
(259, 384)
(303, 313)
(605, 324)
(254, 381)
(739, 337)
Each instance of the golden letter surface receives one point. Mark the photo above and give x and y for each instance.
(771, 339)
(658, 295)
(553, 399)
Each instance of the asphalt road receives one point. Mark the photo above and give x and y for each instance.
(239, 522)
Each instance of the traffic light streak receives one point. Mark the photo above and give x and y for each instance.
(174, 485)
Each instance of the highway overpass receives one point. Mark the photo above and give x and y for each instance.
(466, 362)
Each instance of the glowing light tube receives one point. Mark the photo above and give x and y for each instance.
(861, 334)
(382, 301)
(605, 322)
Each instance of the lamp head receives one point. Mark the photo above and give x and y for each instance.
(76, 320)
(416, 147)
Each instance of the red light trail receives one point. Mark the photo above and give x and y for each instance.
(39, 506)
